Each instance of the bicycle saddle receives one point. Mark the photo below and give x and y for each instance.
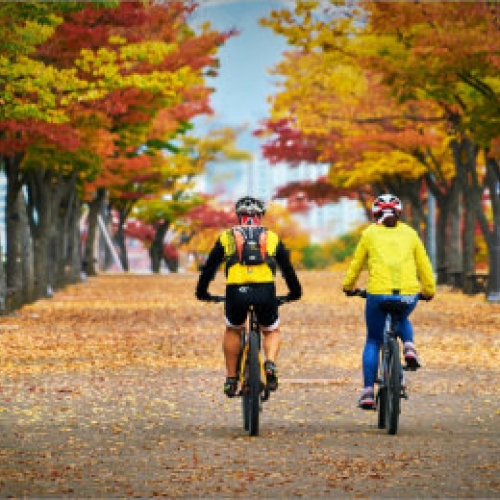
(393, 306)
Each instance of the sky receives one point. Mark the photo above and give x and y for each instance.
(244, 82)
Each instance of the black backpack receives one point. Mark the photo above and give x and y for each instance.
(250, 244)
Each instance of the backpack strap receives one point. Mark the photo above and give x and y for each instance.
(263, 243)
(239, 241)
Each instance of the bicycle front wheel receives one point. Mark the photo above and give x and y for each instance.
(393, 387)
(254, 384)
(245, 412)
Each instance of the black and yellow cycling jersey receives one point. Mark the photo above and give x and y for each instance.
(237, 272)
(240, 274)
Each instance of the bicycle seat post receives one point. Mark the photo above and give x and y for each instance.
(254, 325)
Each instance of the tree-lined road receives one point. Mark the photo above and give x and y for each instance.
(113, 388)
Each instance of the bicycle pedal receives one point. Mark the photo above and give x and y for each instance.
(407, 368)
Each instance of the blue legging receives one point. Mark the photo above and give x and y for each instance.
(375, 322)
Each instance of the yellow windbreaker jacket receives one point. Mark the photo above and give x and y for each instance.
(396, 260)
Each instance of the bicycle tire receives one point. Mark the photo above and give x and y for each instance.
(382, 391)
(254, 384)
(243, 371)
(245, 412)
(393, 387)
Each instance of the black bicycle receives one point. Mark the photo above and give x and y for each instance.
(390, 380)
(252, 375)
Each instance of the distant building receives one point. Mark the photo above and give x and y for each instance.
(231, 180)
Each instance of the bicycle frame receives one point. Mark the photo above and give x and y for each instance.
(252, 327)
(252, 375)
(390, 381)
(250, 369)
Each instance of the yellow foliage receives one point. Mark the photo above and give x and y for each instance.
(375, 167)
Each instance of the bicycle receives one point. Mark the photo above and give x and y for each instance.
(252, 376)
(390, 379)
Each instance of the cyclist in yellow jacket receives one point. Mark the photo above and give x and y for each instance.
(398, 269)
(251, 254)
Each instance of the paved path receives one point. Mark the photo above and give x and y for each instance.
(113, 389)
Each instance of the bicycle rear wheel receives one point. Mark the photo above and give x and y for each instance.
(245, 395)
(393, 387)
(382, 391)
(254, 384)
(243, 374)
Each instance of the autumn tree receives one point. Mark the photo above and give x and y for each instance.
(151, 105)
(340, 114)
(84, 87)
(379, 98)
(35, 99)
(451, 57)
(175, 195)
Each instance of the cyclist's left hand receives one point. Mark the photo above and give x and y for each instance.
(427, 298)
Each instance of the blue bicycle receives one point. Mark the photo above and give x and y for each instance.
(390, 379)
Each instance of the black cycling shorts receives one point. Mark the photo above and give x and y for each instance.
(261, 295)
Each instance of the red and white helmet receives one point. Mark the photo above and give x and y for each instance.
(386, 205)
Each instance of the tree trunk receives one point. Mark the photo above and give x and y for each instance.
(68, 265)
(3, 283)
(89, 257)
(454, 254)
(28, 257)
(492, 236)
(45, 192)
(441, 241)
(14, 230)
(415, 215)
(441, 195)
(472, 193)
(74, 250)
(156, 248)
(120, 239)
(41, 243)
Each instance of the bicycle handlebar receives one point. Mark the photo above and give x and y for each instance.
(281, 299)
(359, 292)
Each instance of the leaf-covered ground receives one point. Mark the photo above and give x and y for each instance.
(113, 389)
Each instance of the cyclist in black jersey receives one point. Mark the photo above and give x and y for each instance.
(251, 254)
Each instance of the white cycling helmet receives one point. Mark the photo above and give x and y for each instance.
(250, 206)
(386, 205)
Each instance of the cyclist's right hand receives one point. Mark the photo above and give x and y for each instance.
(290, 297)
(203, 296)
(282, 299)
